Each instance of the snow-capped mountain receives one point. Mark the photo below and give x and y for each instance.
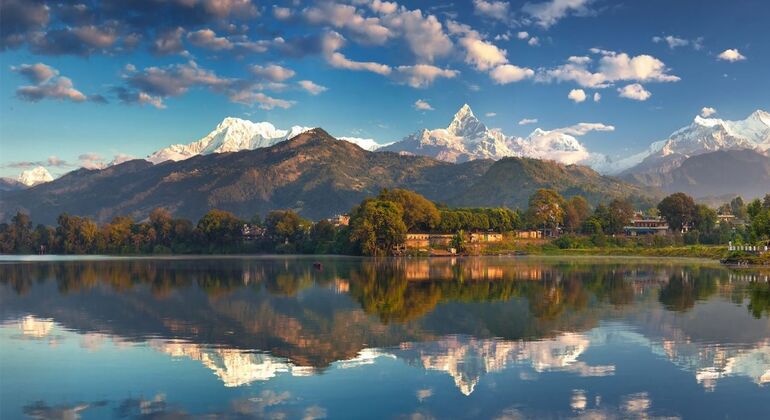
(231, 135)
(35, 176)
(467, 138)
(235, 134)
(704, 135)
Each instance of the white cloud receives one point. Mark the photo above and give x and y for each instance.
(612, 67)
(333, 41)
(490, 114)
(634, 91)
(581, 129)
(47, 84)
(422, 105)
(547, 13)
(534, 41)
(272, 72)
(338, 60)
(671, 40)
(707, 111)
(731, 55)
(424, 34)
(208, 39)
(367, 30)
(311, 87)
(482, 54)
(491, 9)
(522, 35)
(509, 73)
(597, 96)
(421, 75)
(259, 99)
(527, 121)
(281, 13)
(577, 95)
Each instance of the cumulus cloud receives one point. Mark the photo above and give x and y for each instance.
(82, 40)
(423, 34)
(345, 17)
(534, 41)
(272, 72)
(491, 9)
(577, 95)
(46, 84)
(509, 73)
(332, 41)
(522, 35)
(18, 18)
(36, 73)
(153, 85)
(634, 91)
(707, 111)
(208, 39)
(490, 114)
(611, 67)
(168, 42)
(527, 121)
(548, 13)
(422, 105)
(311, 87)
(482, 54)
(421, 75)
(128, 96)
(581, 129)
(597, 96)
(91, 161)
(731, 55)
(281, 13)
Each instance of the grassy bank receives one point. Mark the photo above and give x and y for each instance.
(715, 252)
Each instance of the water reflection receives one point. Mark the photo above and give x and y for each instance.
(261, 321)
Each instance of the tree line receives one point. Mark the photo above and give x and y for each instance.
(377, 225)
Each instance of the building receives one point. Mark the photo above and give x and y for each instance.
(528, 234)
(251, 232)
(648, 226)
(486, 237)
(417, 241)
(340, 220)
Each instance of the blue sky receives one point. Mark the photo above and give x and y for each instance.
(82, 83)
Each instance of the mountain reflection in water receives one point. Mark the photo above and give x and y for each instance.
(255, 321)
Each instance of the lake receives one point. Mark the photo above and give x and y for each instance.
(282, 337)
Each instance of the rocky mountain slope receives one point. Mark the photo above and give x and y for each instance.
(312, 173)
(725, 172)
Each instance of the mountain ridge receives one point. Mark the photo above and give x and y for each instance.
(312, 173)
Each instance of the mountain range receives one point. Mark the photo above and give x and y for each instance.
(312, 173)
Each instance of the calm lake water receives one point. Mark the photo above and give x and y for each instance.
(442, 338)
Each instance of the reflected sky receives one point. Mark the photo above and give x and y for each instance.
(442, 338)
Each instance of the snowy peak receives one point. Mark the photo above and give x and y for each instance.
(35, 176)
(464, 123)
(705, 135)
(467, 138)
(236, 134)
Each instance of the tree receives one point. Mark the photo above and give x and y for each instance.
(420, 214)
(678, 209)
(377, 226)
(221, 228)
(21, 233)
(546, 208)
(576, 211)
(620, 213)
(286, 226)
(738, 208)
(705, 218)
